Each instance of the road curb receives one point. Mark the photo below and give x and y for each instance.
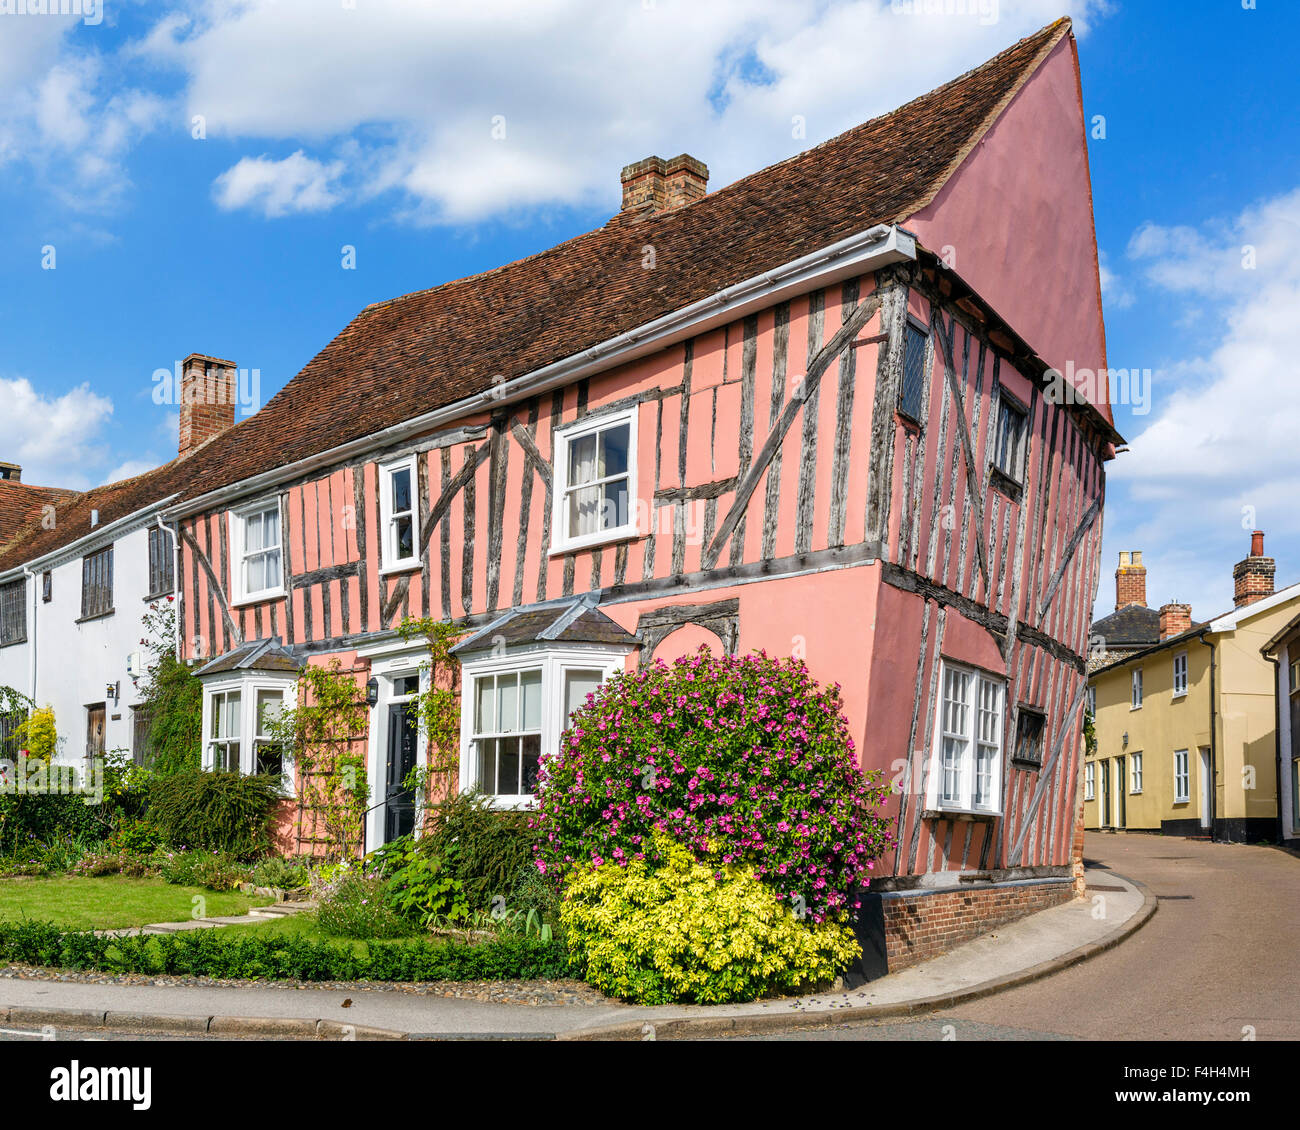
(89, 1020)
(685, 1026)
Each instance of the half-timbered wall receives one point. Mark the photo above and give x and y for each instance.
(787, 506)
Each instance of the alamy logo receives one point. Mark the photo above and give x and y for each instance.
(90, 11)
(75, 1083)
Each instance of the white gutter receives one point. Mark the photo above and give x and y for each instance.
(31, 639)
(74, 548)
(859, 254)
(176, 583)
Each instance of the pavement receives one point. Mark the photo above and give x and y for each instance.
(1015, 954)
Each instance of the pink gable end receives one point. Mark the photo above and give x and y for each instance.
(1018, 217)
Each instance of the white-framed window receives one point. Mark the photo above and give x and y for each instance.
(1136, 701)
(595, 481)
(1092, 700)
(1182, 778)
(516, 706)
(1135, 772)
(1180, 673)
(397, 514)
(237, 713)
(1295, 674)
(967, 774)
(1090, 780)
(258, 565)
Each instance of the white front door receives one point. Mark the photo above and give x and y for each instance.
(1207, 788)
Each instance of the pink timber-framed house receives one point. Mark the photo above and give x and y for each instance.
(813, 412)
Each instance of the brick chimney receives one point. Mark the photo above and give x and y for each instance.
(11, 472)
(1130, 580)
(1174, 619)
(209, 390)
(656, 185)
(1252, 579)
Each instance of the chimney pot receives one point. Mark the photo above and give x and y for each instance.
(209, 389)
(1257, 543)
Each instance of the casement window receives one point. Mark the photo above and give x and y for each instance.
(97, 583)
(237, 718)
(1180, 673)
(162, 561)
(258, 556)
(916, 358)
(1092, 700)
(13, 612)
(1295, 674)
(967, 774)
(515, 710)
(1182, 779)
(1009, 442)
(595, 495)
(47, 587)
(1090, 780)
(1135, 772)
(1031, 726)
(397, 515)
(1136, 700)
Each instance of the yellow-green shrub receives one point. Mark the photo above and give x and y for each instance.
(681, 931)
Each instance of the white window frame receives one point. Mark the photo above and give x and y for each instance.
(553, 661)
(1180, 676)
(560, 541)
(1089, 780)
(389, 562)
(1135, 773)
(1183, 780)
(967, 765)
(1135, 689)
(247, 684)
(237, 521)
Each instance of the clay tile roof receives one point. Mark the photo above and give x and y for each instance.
(576, 622)
(411, 355)
(22, 504)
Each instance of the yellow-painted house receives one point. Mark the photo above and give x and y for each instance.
(1184, 713)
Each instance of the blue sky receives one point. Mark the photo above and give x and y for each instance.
(439, 141)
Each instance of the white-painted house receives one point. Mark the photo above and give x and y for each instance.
(75, 587)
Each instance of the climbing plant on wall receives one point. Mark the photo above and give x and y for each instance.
(171, 696)
(437, 708)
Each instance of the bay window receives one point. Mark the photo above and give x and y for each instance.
(238, 713)
(517, 706)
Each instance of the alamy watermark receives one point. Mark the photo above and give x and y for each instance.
(90, 11)
(1096, 386)
(242, 387)
(34, 776)
(986, 11)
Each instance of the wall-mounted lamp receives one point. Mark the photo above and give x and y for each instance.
(1126, 739)
(113, 691)
(372, 692)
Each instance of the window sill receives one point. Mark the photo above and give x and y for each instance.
(594, 541)
(259, 598)
(1133, 708)
(414, 565)
(1027, 763)
(160, 595)
(13, 643)
(979, 814)
(1180, 694)
(902, 419)
(1004, 484)
(96, 616)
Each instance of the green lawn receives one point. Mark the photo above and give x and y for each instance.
(112, 902)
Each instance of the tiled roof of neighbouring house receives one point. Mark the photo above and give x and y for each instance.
(21, 504)
(1133, 626)
(410, 355)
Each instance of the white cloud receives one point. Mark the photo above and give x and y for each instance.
(1219, 456)
(1116, 292)
(297, 183)
(129, 469)
(56, 439)
(404, 95)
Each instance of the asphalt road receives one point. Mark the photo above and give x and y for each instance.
(1217, 962)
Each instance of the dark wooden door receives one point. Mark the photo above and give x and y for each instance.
(1121, 792)
(399, 801)
(1105, 793)
(95, 730)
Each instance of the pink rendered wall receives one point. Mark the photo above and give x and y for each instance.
(1018, 216)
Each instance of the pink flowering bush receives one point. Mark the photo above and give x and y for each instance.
(744, 760)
